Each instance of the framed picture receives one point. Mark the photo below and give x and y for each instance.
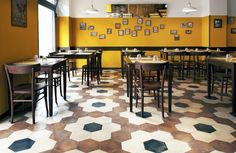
(93, 34)
(127, 31)
(90, 27)
(162, 26)
(188, 31)
(217, 23)
(117, 25)
(140, 21)
(109, 30)
(190, 24)
(147, 32)
(148, 23)
(173, 32)
(19, 13)
(176, 37)
(82, 26)
(183, 25)
(230, 20)
(125, 21)
(120, 32)
(138, 28)
(102, 36)
(134, 33)
(233, 30)
(155, 29)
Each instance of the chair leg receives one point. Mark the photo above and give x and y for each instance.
(68, 72)
(12, 112)
(33, 111)
(55, 90)
(162, 104)
(46, 102)
(142, 104)
(59, 82)
(221, 89)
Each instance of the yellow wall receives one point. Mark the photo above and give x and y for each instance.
(82, 38)
(232, 37)
(218, 36)
(16, 43)
(63, 31)
(205, 31)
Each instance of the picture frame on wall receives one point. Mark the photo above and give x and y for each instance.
(138, 28)
(82, 26)
(117, 25)
(19, 13)
(127, 31)
(190, 24)
(162, 26)
(176, 37)
(147, 32)
(217, 23)
(93, 34)
(188, 31)
(120, 32)
(90, 27)
(155, 29)
(134, 33)
(109, 31)
(233, 30)
(125, 21)
(183, 25)
(173, 32)
(230, 20)
(139, 21)
(102, 36)
(148, 23)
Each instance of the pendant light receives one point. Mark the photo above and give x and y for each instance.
(91, 10)
(189, 8)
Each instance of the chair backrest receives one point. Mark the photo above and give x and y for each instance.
(13, 69)
(159, 68)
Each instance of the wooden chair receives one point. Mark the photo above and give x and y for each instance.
(27, 91)
(143, 83)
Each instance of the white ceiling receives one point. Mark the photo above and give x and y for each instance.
(76, 8)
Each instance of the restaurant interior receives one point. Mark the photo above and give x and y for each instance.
(114, 76)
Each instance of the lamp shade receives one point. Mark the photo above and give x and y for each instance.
(189, 8)
(91, 10)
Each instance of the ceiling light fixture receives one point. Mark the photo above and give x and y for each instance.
(91, 10)
(189, 8)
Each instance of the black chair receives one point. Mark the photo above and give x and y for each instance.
(27, 91)
(94, 68)
(144, 83)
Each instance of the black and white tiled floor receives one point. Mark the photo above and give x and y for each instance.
(96, 119)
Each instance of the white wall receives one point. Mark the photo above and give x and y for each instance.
(76, 8)
(232, 7)
(218, 7)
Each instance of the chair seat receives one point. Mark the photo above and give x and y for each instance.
(26, 88)
(150, 85)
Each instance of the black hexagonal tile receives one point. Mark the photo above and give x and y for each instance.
(204, 128)
(104, 82)
(21, 145)
(145, 114)
(155, 146)
(182, 105)
(73, 86)
(92, 127)
(102, 91)
(98, 104)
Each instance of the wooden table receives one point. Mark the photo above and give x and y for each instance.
(221, 61)
(130, 66)
(48, 66)
(75, 54)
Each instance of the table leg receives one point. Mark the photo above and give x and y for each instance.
(64, 81)
(88, 65)
(50, 91)
(170, 79)
(128, 80)
(122, 64)
(233, 90)
(130, 88)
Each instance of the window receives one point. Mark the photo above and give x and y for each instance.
(46, 26)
